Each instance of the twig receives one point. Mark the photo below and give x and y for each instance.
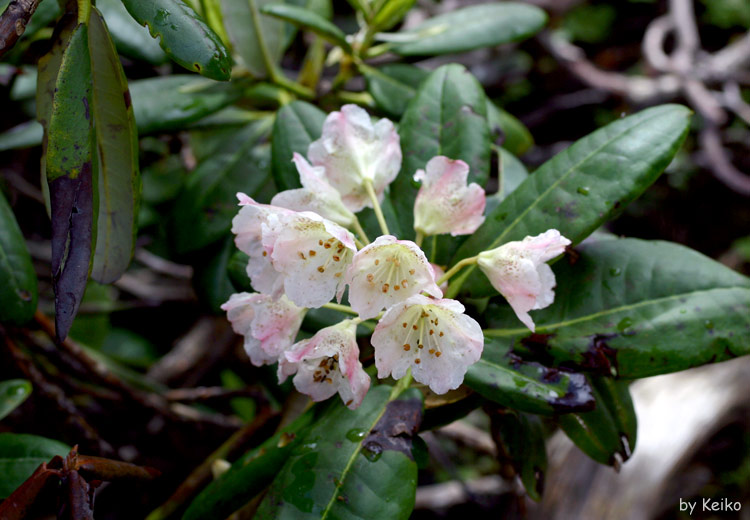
(205, 393)
(13, 22)
(447, 494)
(725, 171)
(470, 436)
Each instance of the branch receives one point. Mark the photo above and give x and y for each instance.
(13, 22)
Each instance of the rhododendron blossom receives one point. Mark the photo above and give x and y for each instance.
(432, 337)
(316, 195)
(354, 152)
(298, 253)
(328, 363)
(519, 272)
(387, 272)
(269, 325)
(445, 204)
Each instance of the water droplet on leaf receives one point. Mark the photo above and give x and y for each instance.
(624, 324)
(583, 190)
(356, 434)
(615, 271)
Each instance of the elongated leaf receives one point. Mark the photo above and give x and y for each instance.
(71, 180)
(12, 393)
(247, 28)
(205, 208)
(505, 378)
(20, 454)
(447, 117)
(352, 463)
(131, 38)
(393, 86)
(520, 442)
(484, 25)
(511, 173)
(184, 36)
(582, 187)
(310, 20)
(249, 475)
(297, 125)
(172, 102)
(601, 434)
(636, 308)
(211, 279)
(18, 283)
(515, 137)
(391, 13)
(117, 144)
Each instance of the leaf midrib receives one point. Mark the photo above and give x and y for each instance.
(502, 333)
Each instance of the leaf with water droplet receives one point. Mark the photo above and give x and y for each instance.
(12, 393)
(583, 190)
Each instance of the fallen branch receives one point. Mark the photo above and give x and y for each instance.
(13, 22)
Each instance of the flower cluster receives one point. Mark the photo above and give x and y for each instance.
(303, 253)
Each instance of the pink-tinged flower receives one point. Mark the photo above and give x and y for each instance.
(328, 363)
(445, 204)
(354, 151)
(432, 337)
(311, 254)
(316, 195)
(387, 272)
(519, 272)
(247, 226)
(269, 325)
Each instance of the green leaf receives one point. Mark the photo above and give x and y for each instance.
(204, 210)
(447, 117)
(72, 185)
(21, 454)
(297, 125)
(484, 25)
(13, 392)
(250, 31)
(117, 143)
(505, 378)
(601, 434)
(310, 20)
(184, 36)
(211, 280)
(393, 86)
(132, 39)
(520, 441)
(169, 103)
(635, 308)
(18, 283)
(237, 270)
(351, 463)
(511, 173)
(391, 13)
(582, 187)
(515, 137)
(249, 474)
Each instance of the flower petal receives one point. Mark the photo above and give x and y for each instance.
(316, 195)
(269, 325)
(432, 337)
(518, 271)
(387, 272)
(353, 150)
(444, 203)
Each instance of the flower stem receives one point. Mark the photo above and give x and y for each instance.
(341, 308)
(419, 239)
(376, 207)
(84, 11)
(456, 268)
(401, 385)
(360, 231)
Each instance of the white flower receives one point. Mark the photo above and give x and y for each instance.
(328, 363)
(353, 151)
(444, 203)
(432, 337)
(316, 195)
(268, 325)
(519, 272)
(387, 272)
